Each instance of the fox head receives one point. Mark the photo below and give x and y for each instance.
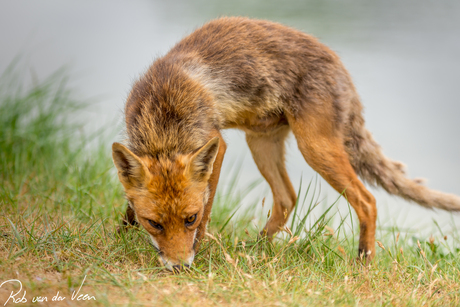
(168, 195)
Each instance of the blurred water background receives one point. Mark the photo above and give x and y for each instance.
(404, 57)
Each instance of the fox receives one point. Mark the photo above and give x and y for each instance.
(268, 80)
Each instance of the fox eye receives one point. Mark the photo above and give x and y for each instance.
(155, 225)
(190, 220)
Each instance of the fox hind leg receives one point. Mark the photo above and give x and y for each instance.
(268, 153)
(321, 144)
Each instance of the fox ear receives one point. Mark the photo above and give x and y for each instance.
(131, 169)
(200, 167)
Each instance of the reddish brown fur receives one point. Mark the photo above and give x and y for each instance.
(265, 79)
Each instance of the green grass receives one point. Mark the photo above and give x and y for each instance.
(61, 203)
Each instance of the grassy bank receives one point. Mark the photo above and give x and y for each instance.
(61, 203)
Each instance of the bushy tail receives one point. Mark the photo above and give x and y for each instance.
(371, 165)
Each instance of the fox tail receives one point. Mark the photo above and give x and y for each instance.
(371, 165)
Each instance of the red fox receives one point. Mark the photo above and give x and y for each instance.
(266, 79)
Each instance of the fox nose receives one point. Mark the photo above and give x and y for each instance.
(179, 267)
